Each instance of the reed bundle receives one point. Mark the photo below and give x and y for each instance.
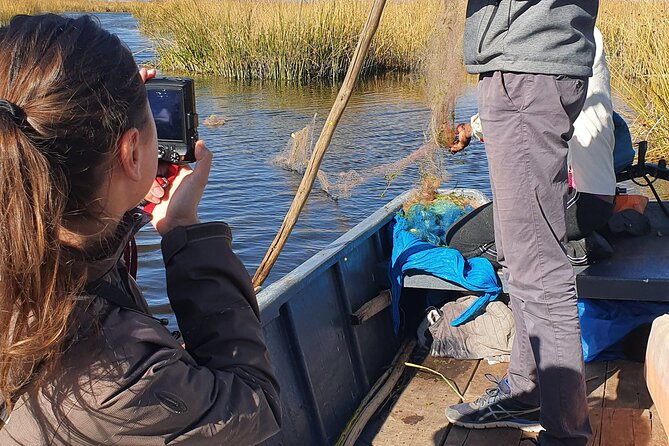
(636, 37)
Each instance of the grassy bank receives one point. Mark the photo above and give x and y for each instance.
(284, 39)
(636, 36)
(9, 8)
(301, 40)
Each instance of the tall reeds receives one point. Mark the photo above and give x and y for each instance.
(9, 8)
(284, 39)
(301, 40)
(636, 37)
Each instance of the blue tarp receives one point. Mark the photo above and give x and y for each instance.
(411, 253)
(623, 150)
(606, 322)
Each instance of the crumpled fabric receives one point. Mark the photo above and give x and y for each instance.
(411, 254)
(488, 336)
(605, 322)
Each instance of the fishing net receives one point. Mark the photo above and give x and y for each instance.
(430, 221)
(444, 80)
(444, 72)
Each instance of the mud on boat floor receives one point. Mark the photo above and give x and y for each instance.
(621, 411)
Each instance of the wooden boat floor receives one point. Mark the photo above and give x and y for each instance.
(621, 410)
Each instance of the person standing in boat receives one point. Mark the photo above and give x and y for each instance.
(533, 60)
(592, 180)
(82, 361)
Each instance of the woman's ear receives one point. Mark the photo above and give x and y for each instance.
(128, 154)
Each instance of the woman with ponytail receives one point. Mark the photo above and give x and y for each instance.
(82, 362)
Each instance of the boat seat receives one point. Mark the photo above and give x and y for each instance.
(638, 270)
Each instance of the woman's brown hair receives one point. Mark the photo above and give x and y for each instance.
(68, 90)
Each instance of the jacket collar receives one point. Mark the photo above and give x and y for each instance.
(106, 255)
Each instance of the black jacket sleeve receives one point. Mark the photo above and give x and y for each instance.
(212, 296)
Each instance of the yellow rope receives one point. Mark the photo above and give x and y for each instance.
(448, 381)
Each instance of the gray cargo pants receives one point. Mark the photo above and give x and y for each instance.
(527, 120)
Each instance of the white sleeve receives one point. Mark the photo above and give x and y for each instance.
(591, 146)
(477, 128)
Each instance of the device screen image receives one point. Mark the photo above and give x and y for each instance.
(167, 109)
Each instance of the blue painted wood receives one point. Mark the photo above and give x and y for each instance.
(325, 366)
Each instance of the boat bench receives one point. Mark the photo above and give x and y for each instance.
(638, 270)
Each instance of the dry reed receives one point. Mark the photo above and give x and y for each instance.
(293, 40)
(636, 37)
(9, 8)
(284, 39)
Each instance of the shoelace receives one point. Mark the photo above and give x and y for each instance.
(493, 394)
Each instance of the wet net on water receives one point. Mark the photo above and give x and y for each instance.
(444, 79)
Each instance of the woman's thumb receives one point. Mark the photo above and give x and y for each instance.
(202, 167)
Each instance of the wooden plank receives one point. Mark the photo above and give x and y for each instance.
(596, 425)
(658, 434)
(595, 381)
(626, 427)
(497, 437)
(418, 416)
(371, 308)
(376, 396)
(457, 436)
(479, 383)
(626, 386)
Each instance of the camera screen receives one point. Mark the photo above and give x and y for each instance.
(167, 109)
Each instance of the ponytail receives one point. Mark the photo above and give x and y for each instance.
(35, 287)
(69, 89)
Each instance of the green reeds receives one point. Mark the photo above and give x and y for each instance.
(285, 40)
(636, 38)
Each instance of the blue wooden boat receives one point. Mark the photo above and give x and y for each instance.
(326, 364)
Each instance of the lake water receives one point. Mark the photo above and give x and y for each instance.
(384, 121)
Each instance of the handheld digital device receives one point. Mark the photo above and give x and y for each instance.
(172, 102)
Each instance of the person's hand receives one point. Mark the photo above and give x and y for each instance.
(156, 192)
(147, 74)
(178, 206)
(160, 183)
(464, 136)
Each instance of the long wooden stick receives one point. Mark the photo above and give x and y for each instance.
(376, 396)
(322, 144)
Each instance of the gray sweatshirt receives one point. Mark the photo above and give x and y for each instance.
(530, 36)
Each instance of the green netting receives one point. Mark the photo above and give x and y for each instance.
(429, 222)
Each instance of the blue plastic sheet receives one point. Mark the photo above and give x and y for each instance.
(411, 253)
(605, 322)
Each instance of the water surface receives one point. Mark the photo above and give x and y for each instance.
(384, 121)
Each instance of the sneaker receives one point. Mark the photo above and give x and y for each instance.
(588, 250)
(496, 408)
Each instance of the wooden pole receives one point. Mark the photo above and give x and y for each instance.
(322, 144)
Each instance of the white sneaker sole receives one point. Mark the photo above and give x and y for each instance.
(533, 428)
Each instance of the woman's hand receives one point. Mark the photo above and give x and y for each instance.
(147, 74)
(156, 192)
(178, 206)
